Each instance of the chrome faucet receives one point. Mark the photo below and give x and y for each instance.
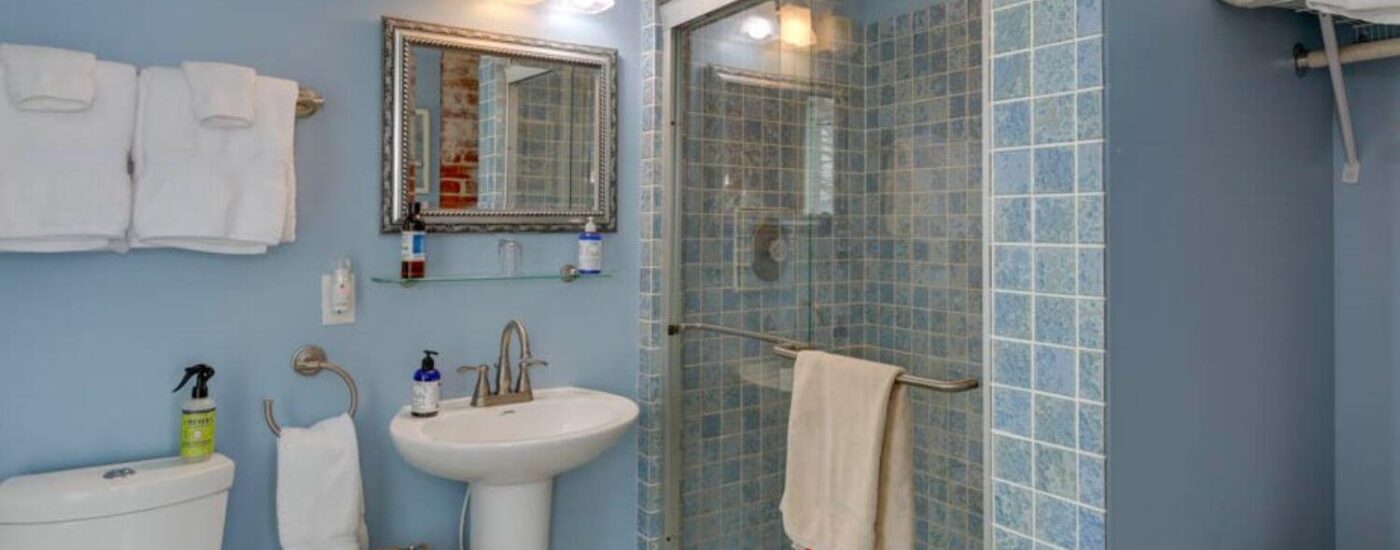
(506, 391)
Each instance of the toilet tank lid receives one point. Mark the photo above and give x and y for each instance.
(114, 489)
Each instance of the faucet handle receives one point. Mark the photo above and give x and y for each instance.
(483, 382)
(464, 369)
(523, 384)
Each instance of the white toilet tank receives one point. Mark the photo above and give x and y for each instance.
(161, 504)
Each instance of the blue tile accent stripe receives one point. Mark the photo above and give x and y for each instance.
(652, 365)
(1046, 329)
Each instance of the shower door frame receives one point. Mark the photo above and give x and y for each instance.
(676, 18)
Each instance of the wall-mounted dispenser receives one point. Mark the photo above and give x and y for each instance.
(338, 294)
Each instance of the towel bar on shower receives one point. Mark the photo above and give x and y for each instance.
(310, 361)
(788, 348)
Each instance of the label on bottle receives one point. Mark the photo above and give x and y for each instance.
(426, 396)
(197, 434)
(412, 249)
(590, 256)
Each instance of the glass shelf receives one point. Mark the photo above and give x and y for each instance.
(567, 274)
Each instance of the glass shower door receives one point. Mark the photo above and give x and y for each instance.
(829, 188)
(747, 218)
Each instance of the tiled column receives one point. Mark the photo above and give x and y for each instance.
(1047, 280)
(651, 372)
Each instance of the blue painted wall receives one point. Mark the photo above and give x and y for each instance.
(1368, 317)
(90, 345)
(1220, 270)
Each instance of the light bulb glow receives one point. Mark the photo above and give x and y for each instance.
(795, 23)
(757, 28)
(589, 6)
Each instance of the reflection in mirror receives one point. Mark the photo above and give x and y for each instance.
(497, 133)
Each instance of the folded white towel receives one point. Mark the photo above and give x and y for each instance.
(64, 185)
(849, 482)
(209, 189)
(1386, 12)
(49, 79)
(320, 500)
(222, 95)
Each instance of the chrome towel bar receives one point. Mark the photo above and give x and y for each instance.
(788, 348)
(310, 361)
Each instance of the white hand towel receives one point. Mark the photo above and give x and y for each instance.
(49, 79)
(849, 482)
(222, 95)
(1386, 12)
(206, 189)
(320, 500)
(64, 185)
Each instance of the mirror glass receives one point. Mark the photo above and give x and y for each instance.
(497, 133)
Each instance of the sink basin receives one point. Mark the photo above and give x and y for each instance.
(562, 429)
(511, 454)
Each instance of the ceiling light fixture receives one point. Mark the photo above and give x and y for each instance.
(758, 28)
(589, 6)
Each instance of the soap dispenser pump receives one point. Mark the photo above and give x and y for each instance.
(427, 387)
(197, 415)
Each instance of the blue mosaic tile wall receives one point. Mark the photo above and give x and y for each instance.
(919, 220)
(651, 370)
(747, 161)
(1047, 311)
(491, 172)
(893, 273)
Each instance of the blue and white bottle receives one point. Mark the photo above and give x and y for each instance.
(590, 250)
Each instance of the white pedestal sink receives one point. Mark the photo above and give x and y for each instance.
(511, 453)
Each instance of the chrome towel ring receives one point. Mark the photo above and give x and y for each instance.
(310, 361)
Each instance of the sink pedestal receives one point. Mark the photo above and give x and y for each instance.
(511, 516)
(510, 455)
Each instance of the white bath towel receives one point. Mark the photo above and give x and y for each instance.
(849, 482)
(218, 190)
(1386, 12)
(320, 500)
(49, 79)
(222, 95)
(64, 185)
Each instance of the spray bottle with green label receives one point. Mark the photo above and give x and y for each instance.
(197, 416)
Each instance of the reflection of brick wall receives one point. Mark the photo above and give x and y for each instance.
(460, 106)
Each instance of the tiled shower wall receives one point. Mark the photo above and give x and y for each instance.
(746, 165)
(922, 109)
(554, 126)
(553, 112)
(1047, 324)
(921, 228)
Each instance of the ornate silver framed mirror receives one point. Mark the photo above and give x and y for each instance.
(497, 133)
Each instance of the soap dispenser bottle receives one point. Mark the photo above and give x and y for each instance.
(197, 416)
(427, 387)
(590, 249)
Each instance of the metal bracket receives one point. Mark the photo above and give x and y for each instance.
(1351, 173)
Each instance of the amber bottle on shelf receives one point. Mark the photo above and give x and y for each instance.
(413, 256)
